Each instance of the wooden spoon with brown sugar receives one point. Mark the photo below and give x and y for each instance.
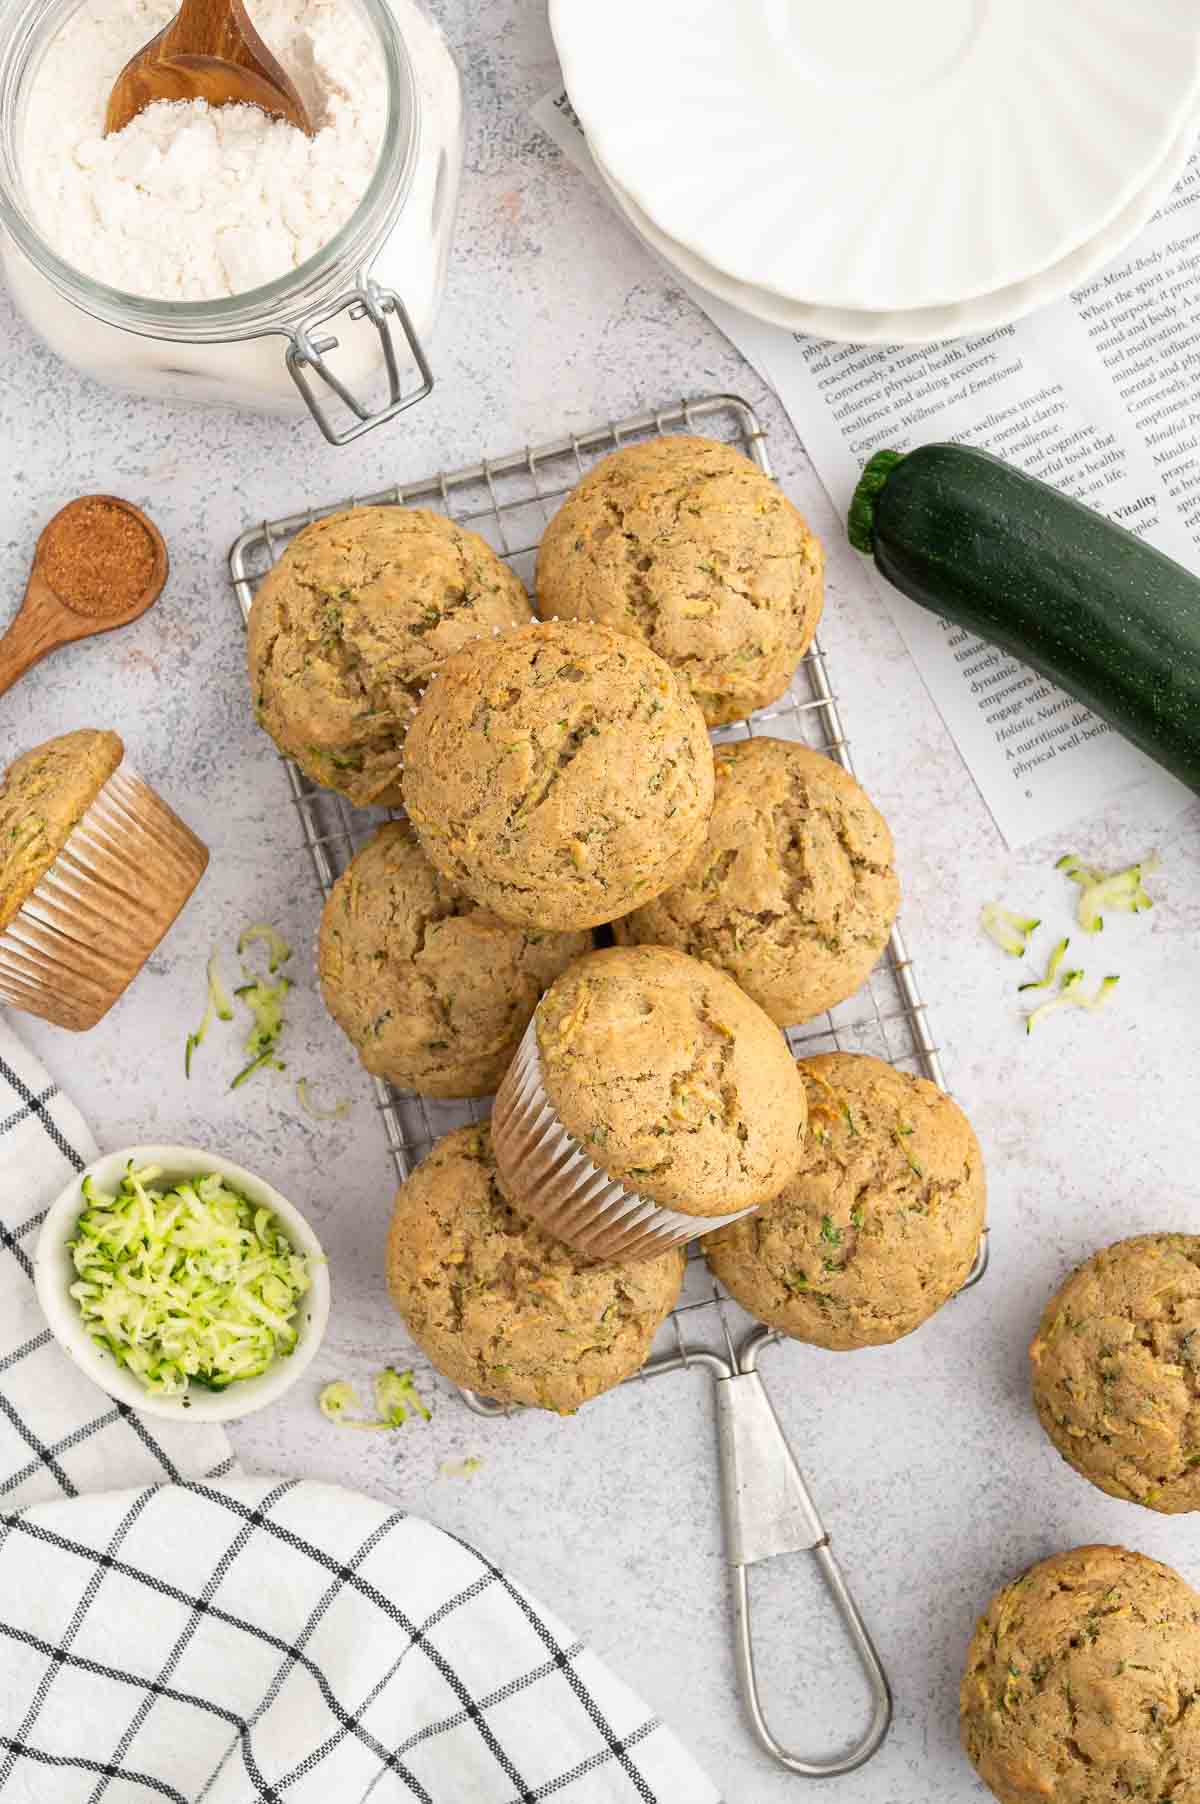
(210, 51)
(99, 564)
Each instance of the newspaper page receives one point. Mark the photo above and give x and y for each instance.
(1097, 395)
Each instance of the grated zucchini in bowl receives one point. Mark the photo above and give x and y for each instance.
(188, 1285)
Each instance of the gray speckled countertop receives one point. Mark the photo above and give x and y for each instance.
(925, 1458)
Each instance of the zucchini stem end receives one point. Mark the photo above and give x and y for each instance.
(860, 521)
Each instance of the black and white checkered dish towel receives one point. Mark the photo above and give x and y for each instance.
(59, 1435)
(230, 1640)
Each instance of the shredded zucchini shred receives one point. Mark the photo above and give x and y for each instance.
(1055, 960)
(338, 1112)
(396, 1398)
(461, 1468)
(217, 1005)
(262, 998)
(265, 1002)
(188, 1285)
(262, 933)
(1070, 995)
(1009, 931)
(1123, 892)
(336, 1399)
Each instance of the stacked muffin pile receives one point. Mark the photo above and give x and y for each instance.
(558, 778)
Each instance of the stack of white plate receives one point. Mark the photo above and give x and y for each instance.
(879, 172)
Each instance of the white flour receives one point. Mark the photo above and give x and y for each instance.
(191, 202)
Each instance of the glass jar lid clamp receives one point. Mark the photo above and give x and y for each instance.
(307, 354)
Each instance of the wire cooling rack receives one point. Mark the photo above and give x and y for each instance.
(509, 501)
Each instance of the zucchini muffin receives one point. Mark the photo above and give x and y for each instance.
(349, 626)
(685, 544)
(794, 892)
(1116, 1370)
(1081, 1684)
(75, 820)
(560, 775)
(651, 1074)
(500, 1307)
(433, 992)
(880, 1225)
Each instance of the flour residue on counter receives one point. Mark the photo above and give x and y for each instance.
(192, 202)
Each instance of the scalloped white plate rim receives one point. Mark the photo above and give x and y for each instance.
(918, 325)
(562, 13)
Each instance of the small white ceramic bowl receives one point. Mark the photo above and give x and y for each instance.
(54, 1274)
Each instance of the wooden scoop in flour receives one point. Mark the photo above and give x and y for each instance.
(210, 51)
(100, 563)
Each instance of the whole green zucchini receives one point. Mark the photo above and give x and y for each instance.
(1106, 617)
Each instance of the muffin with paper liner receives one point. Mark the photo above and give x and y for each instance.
(94, 869)
(650, 1102)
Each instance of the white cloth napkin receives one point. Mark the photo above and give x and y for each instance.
(230, 1640)
(59, 1435)
(264, 1640)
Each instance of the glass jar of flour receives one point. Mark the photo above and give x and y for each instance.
(213, 255)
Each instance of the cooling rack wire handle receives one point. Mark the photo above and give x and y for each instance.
(768, 1510)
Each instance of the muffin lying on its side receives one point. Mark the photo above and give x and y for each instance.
(434, 992)
(1116, 1370)
(349, 626)
(794, 892)
(880, 1225)
(1080, 1684)
(684, 543)
(500, 1307)
(560, 775)
(94, 868)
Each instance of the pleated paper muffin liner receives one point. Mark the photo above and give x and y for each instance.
(122, 876)
(553, 1180)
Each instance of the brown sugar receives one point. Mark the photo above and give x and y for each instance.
(97, 556)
